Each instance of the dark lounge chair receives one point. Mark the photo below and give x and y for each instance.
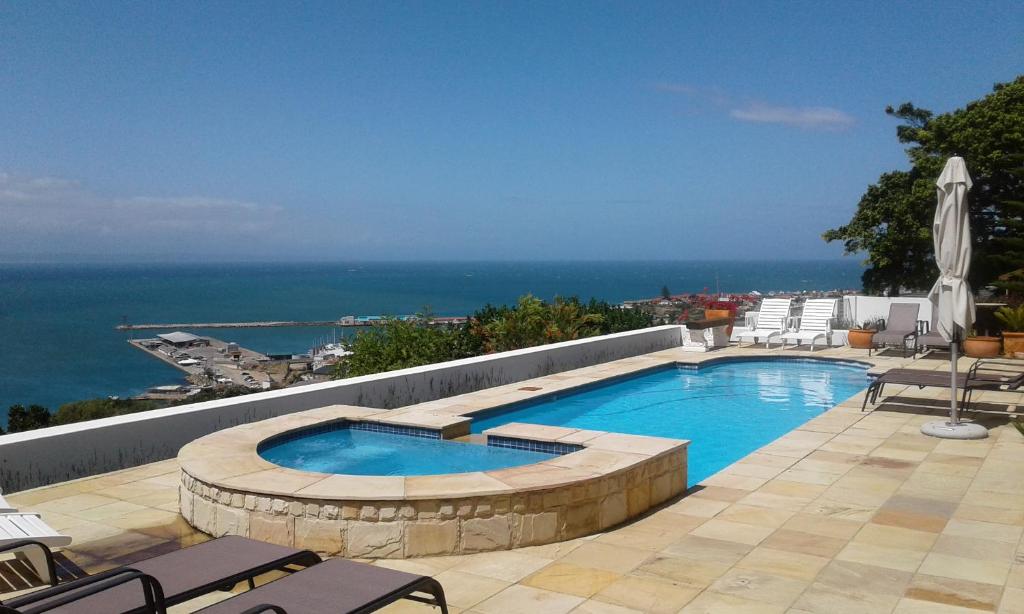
(973, 379)
(154, 584)
(932, 338)
(900, 327)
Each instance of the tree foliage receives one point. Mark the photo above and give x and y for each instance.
(398, 344)
(892, 224)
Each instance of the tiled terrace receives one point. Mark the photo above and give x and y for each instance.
(853, 512)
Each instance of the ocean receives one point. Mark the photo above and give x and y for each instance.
(58, 342)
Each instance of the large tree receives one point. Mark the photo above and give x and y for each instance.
(892, 224)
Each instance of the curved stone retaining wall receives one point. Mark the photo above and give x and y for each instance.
(228, 489)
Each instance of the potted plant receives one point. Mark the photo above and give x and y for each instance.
(861, 338)
(721, 309)
(1013, 330)
(977, 346)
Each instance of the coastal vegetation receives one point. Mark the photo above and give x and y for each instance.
(20, 418)
(530, 322)
(892, 224)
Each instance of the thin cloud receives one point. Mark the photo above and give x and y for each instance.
(820, 118)
(715, 100)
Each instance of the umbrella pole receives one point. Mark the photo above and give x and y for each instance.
(954, 413)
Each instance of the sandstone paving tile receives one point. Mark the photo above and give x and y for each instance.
(689, 572)
(59, 522)
(935, 486)
(880, 556)
(1012, 601)
(832, 457)
(732, 531)
(754, 470)
(806, 476)
(466, 590)
(704, 549)
(755, 515)
(718, 493)
(85, 532)
(710, 602)
(783, 563)
(639, 537)
(1011, 501)
(738, 482)
(768, 460)
(109, 511)
(518, 599)
(985, 513)
(958, 567)
(153, 521)
(984, 530)
(804, 543)
(562, 577)
(952, 592)
(157, 499)
(132, 490)
(858, 579)
(944, 468)
(797, 490)
(895, 537)
(507, 565)
(760, 498)
(825, 526)
(420, 566)
(70, 505)
(974, 548)
(899, 453)
(916, 606)
(845, 510)
(648, 594)
(977, 449)
(124, 543)
(884, 467)
(614, 558)
(759, 586)
(552, 551)
(592, 606)
(1016, 577)
(693, 506)
(909, 520)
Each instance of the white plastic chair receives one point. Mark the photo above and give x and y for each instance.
(815, 323)
(771, 320)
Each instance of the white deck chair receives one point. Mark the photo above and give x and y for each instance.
(771, 320)
(815, 322)
(21, 526)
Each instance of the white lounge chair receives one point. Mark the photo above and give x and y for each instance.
(815, 322)
(771, 320)
(28, 526)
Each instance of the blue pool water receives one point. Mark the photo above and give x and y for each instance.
(727, 410)
(358, 452)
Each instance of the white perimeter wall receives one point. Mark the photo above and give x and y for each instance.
(62, 453)
(860, 308)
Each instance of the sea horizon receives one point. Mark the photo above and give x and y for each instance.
(59, 318)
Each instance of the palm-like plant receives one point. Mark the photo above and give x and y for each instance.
(1012, 318)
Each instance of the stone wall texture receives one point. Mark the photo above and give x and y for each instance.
(456, 525)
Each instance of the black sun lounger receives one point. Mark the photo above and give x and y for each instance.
(164, 580)
(967, 382)
(336, 586)
(153, 585)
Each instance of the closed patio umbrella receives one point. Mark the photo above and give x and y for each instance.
(951, 294)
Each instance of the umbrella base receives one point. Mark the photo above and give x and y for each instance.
(946, 430)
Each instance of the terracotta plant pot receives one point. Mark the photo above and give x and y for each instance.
(860, 338)
(714, 314)
(1012, 343)
(982, 347)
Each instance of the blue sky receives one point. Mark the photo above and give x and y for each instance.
(577, 130)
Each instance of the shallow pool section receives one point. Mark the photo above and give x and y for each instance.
(727, 410)
(363, 452)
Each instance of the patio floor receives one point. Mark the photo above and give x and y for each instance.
(852, 512)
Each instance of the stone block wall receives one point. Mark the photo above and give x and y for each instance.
(454, 525)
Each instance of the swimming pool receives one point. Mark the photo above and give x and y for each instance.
(362, 452)
(727, 410)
